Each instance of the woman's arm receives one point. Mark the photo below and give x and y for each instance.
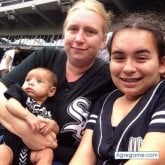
(85, 154)
(14, 107)
(37, 123)
(153, 141)
(19, 127)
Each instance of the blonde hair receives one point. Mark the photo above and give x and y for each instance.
(92, 5)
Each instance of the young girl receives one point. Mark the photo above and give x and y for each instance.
(132, 118)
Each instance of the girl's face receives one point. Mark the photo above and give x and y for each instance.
(83, 36)
(135, 66)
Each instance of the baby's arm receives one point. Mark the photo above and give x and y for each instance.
(14, 107)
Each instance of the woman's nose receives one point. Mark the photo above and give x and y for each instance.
(79, 37)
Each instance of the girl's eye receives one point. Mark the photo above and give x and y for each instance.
(142, 58)
(117, 58)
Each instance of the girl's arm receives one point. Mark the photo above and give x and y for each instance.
(153, 141)
(85, 153)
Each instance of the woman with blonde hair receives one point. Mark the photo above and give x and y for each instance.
(82, 78)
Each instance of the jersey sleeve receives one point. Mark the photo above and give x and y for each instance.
(157, 123)
(16, 92)
(95, 112)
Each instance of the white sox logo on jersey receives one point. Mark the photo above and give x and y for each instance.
(79, 111)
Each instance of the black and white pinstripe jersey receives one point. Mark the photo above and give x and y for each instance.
(148, 115)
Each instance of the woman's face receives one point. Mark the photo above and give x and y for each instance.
(135, 65)
(83, 36)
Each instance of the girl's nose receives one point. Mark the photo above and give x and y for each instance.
(129, 66)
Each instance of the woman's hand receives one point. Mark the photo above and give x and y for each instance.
(46, 141)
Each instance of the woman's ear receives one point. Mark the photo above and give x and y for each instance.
(52, 91)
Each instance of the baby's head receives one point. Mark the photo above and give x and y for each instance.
(40, 83)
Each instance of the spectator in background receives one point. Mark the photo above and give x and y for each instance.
(17, 60)
(7, 60)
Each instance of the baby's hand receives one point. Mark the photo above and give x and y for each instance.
(35, 123)
(50, 125)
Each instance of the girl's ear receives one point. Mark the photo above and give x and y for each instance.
(162, 66)
(52, 91)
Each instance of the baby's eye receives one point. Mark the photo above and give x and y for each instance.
(27, 79)
(39, 81)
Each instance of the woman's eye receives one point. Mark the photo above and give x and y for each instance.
(90, 32)
(72, 29)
